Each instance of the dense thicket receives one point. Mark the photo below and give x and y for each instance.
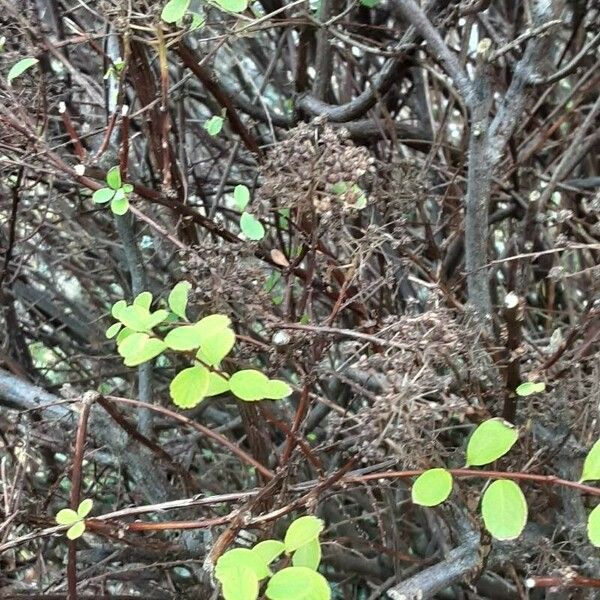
(470, 129)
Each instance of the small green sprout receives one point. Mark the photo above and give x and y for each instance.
(75, 519)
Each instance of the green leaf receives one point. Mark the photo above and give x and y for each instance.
(117, 308)
(530, 387)
(157, 317)
(504, 509)
(141, 351)
(432, 487)
(234, 6)
(298, 583)
(113, 178)
(591, 465)
(76, 530)
(210, 325)
(84, 508)
(197, 21)
(178, 298)
(217, 346)
(242, 557)
(491, 440)
(113, 330)
(144, 300)
(119, 205)
(593, 526)
(277, 389)
(103, 195)
(185, 337)
(189, 386)
(239, 583)
(308, 555)
(174, 10)
(127, 188)
(66, 516)
(241, 195)
(20, 67)
(217, 384)
(135, 317)
(214, 125)
(249, 385)
(251, 227)
(123, 334)
(369, 3)
(269, 550)
(301, 531)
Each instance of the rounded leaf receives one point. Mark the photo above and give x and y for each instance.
(530, 387)
(504, 509)
(212, 324)
(432, 487)
(241, 195)
(217, 384)
(214, 125)
(103, 195)
(186, 337)
(113, 330)
(308, 555)
(189, 387)
(76, 530)
(84, 508)
(269, 550)
(151, 348)
(491, 440)
(119, 205)
(239, 583)
(302, 531)
(217, 346)
(144, 300)
(298, 583)
(174, 10)
(249, 385)
(234, 6)
(117, 308)
(591, 465)
(20, 67)
(277, 389)
(135, 317)
(157, 317)
(242, 557)
(593, 526)
(66, 516)
(251, 227)
(113, 178)
(178, 298)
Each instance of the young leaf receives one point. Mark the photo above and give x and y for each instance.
(530, 387)
(185, 337)
(239, 583)
(432, 487)
(249, 385)
(119, 205)
(66, 516)
(593, 526)
(208, 326)
(139, 348)
(301, 532)
(591, 465)
(144, 300)
(103, 195)
(20, 67)
(113, 178)
(178, 298)
(491, 440)
(251, 227)
(189, 387)
(298, 583)
(214, 125)
(241, 195)
(117, 308)
(504, 509)
(135, 317)
(157, 317)
(216, 347)
(234, 6)
(76, 530)
(217, 384)
(127, 188)
(84, 508)
(308, 555)
(269, 550)
(277, 389)
(242, 557)
(174, 10)
(113, 330)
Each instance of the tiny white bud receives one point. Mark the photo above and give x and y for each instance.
(62, 107)
(80, 170)
(124, 110)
